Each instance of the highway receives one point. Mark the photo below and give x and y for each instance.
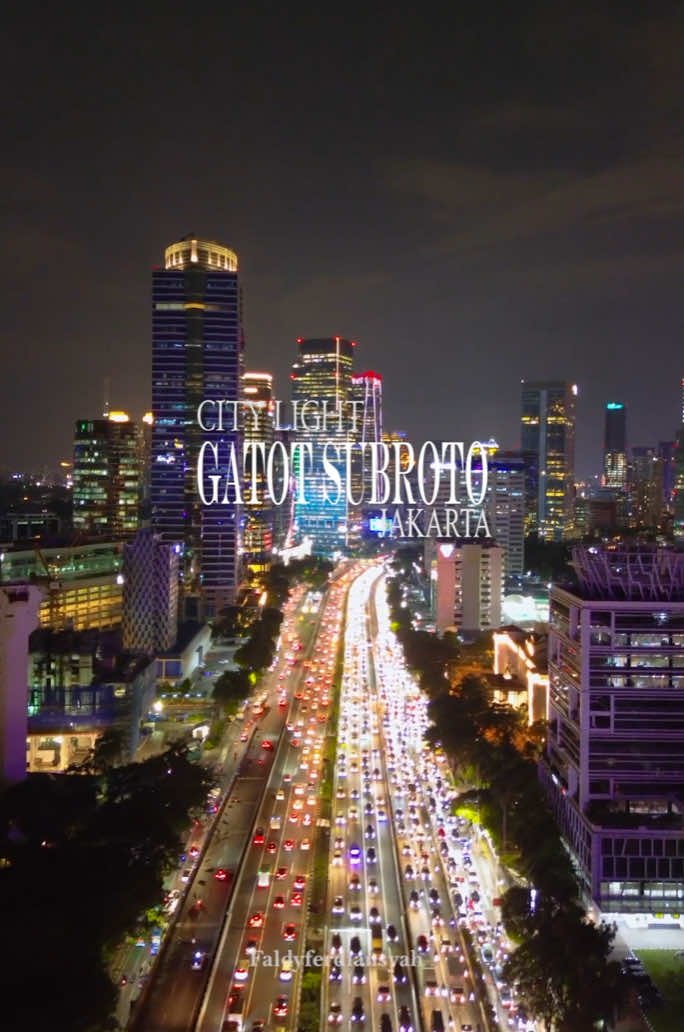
(256, 974)
(174, 994)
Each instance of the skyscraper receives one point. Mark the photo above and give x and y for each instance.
(366, 392)
(257, 514)
(645, 487)
(615, 446)
(506, 502)
(548, 439)
(150, 595)
(107, 476)
(197, 345)
(322, 373)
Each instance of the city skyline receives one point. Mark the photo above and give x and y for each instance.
(512, 238)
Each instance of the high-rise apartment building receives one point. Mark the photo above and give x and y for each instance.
(506, 503)
(107, 476)
(19, 605)
(197, 345)
(678, 491)
(150, 593)
(645, 487)
(258, 510)
(548, 439)
(614, 763)
(615, 446)
(466, 584)
(323, 374)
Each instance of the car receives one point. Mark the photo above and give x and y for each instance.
(399, 974)
(185, 874)
(267, 744)
(271, 848)
(409, 873)
(281, 873)
(382, 816)
(241, 974)
(251, 946)
(258, 839)
(405, 1019)
(422, 944)
(199, 960)
(359, 974)
(299, 882)
(370, 855)
(354, 912)
(335, 974)
(374, 915)
(288, 845)
(358, 1014)
(335, 1014)
(383, 995)
(305, 844)
(256, 920)
(354, 854)
(338, 905)
(287, 778)
(337, 858)
(286, 970)
(194, 851)
(487, 954)
(354, 883)
(467, 1027)
(278, 902)
(244, 736)
(289, 932)
(281, 1006)
(392, 935)
(433, 896)
(355, 946)
(414, 900)
(372, 887)
(280, 794)
(370, 832)
(221, 874)
(385, 1023)
(336, 944)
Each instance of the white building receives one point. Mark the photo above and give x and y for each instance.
(19, 605)
(614, 765)
(466, 579)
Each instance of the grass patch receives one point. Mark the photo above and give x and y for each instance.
(667, 972)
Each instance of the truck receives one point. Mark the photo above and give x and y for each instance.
(457, 992)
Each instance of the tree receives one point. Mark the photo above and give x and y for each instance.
(231, 688)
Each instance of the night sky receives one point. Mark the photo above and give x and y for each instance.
(474, 200)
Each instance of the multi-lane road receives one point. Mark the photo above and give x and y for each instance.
(405, 879)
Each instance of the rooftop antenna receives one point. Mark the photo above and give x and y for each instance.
(107, 384)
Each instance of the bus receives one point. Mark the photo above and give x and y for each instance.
(264, 876)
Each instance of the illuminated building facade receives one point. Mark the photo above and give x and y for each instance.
(107, 476)
(367, 394)
(548, 438)
(258, 425)
(197, 345)
(520, 659)
(82, 584)
(323, 373)
(506, 502)
(615, 446)
(678, 495)
(614, 762)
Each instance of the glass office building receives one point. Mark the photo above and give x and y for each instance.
(196, 355)
(548, 441)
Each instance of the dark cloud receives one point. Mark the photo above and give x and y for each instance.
(475, 198)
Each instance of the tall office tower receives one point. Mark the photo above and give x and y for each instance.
(322, 373)
(506, 502)
(150, 593)
(466, 582)
(107, 476)
(645, 488)
(258, 511)
(614, 763)
(666, 452)
(548, 436)
(615, 446)
(19, 605)
(197, 345)
(145, 461)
